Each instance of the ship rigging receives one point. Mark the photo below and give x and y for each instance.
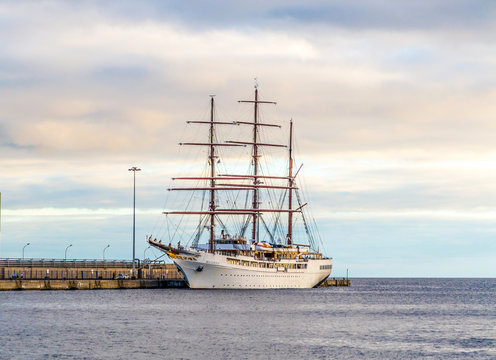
(228, 255)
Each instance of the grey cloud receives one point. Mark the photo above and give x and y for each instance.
(64, 191)
(115, 73)
(15, 146)
(363, 14)
(15, 73)
(390, 14)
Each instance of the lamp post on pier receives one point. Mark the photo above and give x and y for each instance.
(105, 248)
(65, 255)
(144, 254)
(134, 169)
(23, 250)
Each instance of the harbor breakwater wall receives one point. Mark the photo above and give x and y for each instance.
(6, 285)
(53, 274)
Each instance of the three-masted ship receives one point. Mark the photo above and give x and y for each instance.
(244, 260)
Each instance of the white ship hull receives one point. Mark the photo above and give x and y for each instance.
(215, 271)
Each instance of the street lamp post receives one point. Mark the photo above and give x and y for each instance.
(23, 250)
(134, 169)
(105, 248)
(65, 256)
(149, 264)
(144, 252)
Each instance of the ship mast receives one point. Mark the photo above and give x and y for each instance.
(212, 178)
(212, 175)
(255, 164)
(290, 185)
(255, 156)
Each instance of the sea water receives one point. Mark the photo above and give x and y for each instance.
(372, 319)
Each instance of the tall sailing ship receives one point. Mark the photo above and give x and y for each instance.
(247, 259)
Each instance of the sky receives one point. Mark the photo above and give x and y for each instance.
(394, 106)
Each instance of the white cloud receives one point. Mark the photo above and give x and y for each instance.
(72, 214)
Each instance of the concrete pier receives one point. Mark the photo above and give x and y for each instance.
(336, 282)
(6, 285)
(53, 274)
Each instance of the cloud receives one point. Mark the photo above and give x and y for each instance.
(372, 14)
(380, 14)
(359, 88)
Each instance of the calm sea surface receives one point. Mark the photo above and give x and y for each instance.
(373, 319)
